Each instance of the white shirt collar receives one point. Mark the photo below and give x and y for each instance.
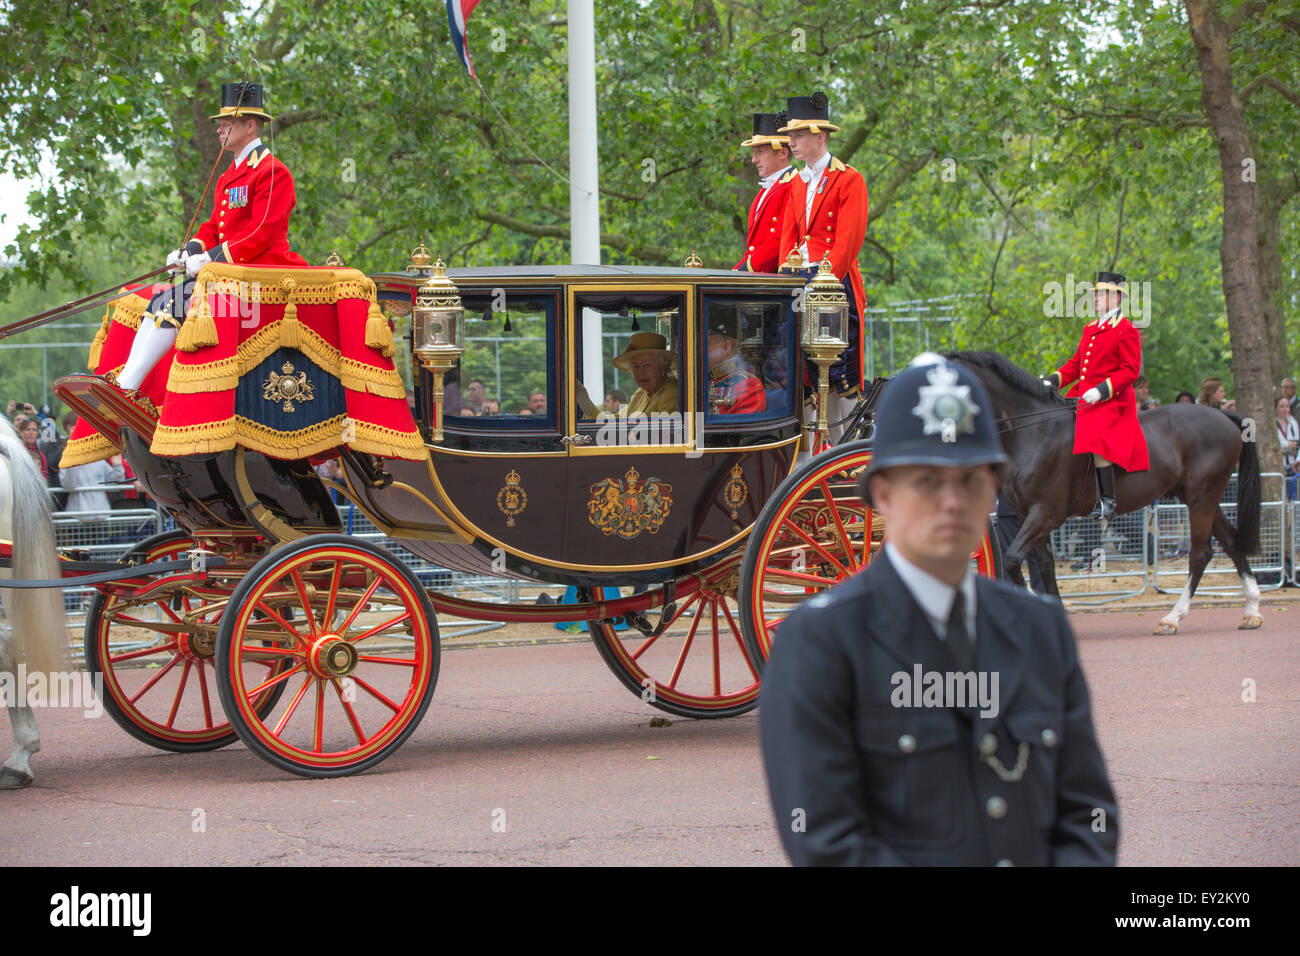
(934, 596)
(767, 182)
(813, 171)
(243, 153)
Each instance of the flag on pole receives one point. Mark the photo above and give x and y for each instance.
(458, 12)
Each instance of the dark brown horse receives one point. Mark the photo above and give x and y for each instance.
(1193, 449)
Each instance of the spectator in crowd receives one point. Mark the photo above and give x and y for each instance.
(1292, 400)
(16, 410)
(537, 402)
(53, 450)
(1213, 393)
(475, 393)
(614, 401)
(91, 475)
(1288, 434)
(490, 407)
(1143, 391)
(29, 430)
(1185, 398)
(524, 410)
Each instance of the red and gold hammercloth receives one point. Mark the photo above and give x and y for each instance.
(290, 362)
(108, 353)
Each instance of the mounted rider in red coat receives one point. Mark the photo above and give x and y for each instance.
(771, 156)
(249, 225)
(1101, 374)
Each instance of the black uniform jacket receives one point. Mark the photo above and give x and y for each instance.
(858, 781)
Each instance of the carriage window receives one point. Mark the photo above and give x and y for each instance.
(507, 371)
(749, 349)
(628, 354)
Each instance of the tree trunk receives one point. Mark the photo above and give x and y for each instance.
(1238, 251)
(1274, 193)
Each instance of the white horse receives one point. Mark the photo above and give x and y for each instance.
(33, 626)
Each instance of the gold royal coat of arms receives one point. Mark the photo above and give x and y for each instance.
(628, 506)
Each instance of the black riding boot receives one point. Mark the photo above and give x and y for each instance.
(1105, 509)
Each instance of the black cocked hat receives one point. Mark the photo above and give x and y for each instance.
(810, 113)
(1110, 282)
(241, 99)
(766, 130)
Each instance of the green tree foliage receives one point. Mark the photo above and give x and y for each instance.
(1006, 145)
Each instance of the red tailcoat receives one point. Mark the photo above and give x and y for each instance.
(766, 215)
(1109, 358)
(837, 226)
(250, 214)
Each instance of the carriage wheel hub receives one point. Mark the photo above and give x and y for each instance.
(196, 646)
(332, 657)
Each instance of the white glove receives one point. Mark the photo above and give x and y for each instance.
(1049, 383)
(196, 262)
(1092, 396)
(176, 260)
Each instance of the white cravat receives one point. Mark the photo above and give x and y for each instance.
(243, 153)
(766, 184)
(934, 596)
(812, 176)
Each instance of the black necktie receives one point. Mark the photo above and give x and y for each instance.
(959, 643)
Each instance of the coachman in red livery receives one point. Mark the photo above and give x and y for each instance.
(249, 225)
(771, 156)
(1101, 374)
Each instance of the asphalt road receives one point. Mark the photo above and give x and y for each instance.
(536, 755)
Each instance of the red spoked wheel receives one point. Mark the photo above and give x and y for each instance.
(699, 666)
(816, 531)
(359, 656)
(153, 652)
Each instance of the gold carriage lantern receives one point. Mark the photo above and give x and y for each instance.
(437, 328)
(824, 332)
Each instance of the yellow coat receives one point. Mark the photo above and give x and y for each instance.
(663, 400)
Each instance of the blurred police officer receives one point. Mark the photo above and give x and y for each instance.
(918, 714)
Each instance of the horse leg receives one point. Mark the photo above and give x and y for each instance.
(17, 771)
(1034, 532)
(1199, 555)
(1227, 536)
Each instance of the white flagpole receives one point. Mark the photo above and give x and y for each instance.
(584, 192)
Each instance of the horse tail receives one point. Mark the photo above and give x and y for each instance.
(1248, 494)
(36, 617)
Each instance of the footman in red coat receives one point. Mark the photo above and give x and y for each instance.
(771, 156)
(1101, 374)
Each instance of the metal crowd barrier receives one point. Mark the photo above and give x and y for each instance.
(1295, 543)
(1173, 540)
(1096, 566)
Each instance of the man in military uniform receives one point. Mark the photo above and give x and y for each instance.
(651, 364)
(249, 225)
(918, 714)
(826, 217)
(733, 389)
(770, 154)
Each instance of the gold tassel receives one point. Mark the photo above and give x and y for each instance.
(97, 346)
(199, 329)
(379, 335)
(291, 328)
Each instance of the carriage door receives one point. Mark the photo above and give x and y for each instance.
(631, 422)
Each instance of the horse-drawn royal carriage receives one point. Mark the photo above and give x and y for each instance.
(259, 619)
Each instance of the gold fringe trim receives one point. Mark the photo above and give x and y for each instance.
(303, 443)
(379, 335)
(271, 285)
(213, 377)
(361, 377)
(200, 328)
(97, 346)
(82, 451)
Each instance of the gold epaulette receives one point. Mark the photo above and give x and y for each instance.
(257, 155)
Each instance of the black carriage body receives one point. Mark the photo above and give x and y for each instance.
(556, 496)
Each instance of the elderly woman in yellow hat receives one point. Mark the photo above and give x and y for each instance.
(651, 365)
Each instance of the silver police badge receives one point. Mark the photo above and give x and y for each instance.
(946, 407)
